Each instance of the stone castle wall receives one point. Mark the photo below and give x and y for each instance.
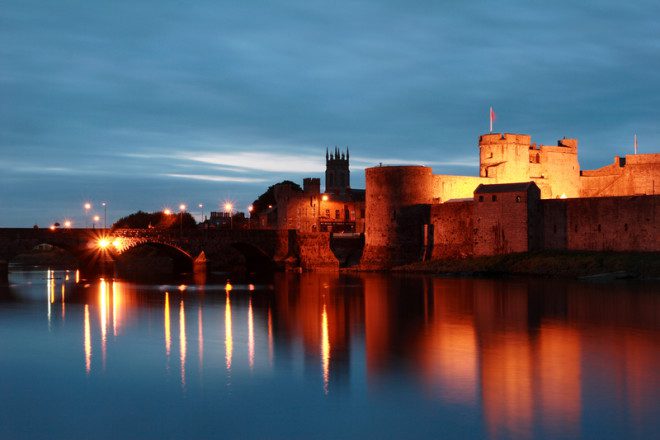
(631, 175)
(453, 228)
(397, 202)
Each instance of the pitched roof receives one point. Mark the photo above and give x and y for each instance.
(504, 187)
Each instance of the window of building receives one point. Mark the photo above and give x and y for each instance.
(327, 213)
(494, 198)
(625, 227)
(337, 217)
(481, 198)
(517, 199)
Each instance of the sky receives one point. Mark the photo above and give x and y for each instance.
(150, 104)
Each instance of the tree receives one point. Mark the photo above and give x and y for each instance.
(268, 198)
(158, 219)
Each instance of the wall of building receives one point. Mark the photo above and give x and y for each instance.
(397, 208)
(452, 229)
(505, 222)
(613, 223)
(446, 187)
(632, 175)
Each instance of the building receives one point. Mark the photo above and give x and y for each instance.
(340, 209)
(526, 197)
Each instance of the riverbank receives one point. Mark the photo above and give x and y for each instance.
(603, 265)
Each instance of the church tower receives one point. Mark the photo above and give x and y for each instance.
(337, 175)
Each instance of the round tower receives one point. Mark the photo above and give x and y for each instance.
(504, 157)
(397, 207)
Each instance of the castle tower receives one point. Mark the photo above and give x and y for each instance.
(337, 174)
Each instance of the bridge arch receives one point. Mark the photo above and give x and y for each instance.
(256, 260)
(152, 256)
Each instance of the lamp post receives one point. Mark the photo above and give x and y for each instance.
(95, 219)
(182, 209)
(201, 206)
(250, 209)
(87, 207)
(228, 208)
(105, 215)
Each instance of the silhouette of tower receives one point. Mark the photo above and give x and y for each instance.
(337, 175)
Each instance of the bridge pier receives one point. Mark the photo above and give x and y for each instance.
(4, 271)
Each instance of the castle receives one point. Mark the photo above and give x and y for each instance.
(526, 197)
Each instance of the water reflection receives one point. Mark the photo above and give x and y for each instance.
(182, 342)
(527, 357)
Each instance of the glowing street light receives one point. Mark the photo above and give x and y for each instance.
(167, 211)
(67, 223)
(87, 206)
(105, 215)
(229, 207)
(182, 209)
(95, 220)
(324, 197)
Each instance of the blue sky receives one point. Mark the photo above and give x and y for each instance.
(148, 104)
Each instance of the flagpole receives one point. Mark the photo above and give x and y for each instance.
(635, 144)
(490, 117)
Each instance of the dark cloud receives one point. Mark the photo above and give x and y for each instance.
(98, 99)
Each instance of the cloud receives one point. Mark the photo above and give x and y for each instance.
(215, 178)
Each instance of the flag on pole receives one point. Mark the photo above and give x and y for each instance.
(492, 119)
(635, 144)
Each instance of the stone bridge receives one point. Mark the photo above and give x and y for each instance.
(261, 249)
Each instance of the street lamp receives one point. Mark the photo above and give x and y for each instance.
(228, 208)
(87, 206)
(201, 206)
(182, 209)
(105, 215)
(95, 219)
(67, 224)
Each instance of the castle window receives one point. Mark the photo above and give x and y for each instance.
(517, 199)
(327, 213)
(331, 180)
(490, 155)
(538, 158)
(494, 198)
(481, 198)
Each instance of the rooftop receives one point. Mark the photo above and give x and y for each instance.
(503, 187)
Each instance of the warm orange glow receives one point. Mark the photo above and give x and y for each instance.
(117, 243)
(324, 197)
(87, 206)
(67, 223)
(168, 337)
(182, 288)
(52, 227)
(63, 303)
(77, 276)
(103, 243)
(167, 211)
(182, 207)
(325, 349)
(270, 336)
(229, 207)
(96, 218)
(251, 287)
(182, 342)
(116, 298)
(103, 315)
(250, 208)
(228, 287)
(250, 335)
(87, 343)
(229, 342)
(563, 196)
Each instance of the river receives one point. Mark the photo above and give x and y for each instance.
(328, 356)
